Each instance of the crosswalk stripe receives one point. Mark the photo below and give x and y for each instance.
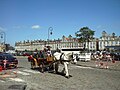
(23, 73)
(31, 71)
(17, 79)
(2, 81)
(81, 67)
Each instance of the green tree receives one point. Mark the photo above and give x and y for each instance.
(84, 35)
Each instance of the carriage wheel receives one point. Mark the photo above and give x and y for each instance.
(41, 67)
(50, 65)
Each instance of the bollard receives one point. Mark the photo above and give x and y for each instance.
(0, 68)
(113, 61)
(101, 63)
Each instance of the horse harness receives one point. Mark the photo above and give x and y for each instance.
(62, 60)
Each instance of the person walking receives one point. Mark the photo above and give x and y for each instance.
(5, 63)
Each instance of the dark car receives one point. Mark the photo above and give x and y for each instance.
(116, 56)
(11, 61)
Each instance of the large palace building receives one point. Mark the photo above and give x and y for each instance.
(106, 41)
(65, 42)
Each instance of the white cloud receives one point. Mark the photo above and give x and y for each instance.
(2, 29)
(35, 27)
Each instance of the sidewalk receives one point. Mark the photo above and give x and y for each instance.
(92, 63)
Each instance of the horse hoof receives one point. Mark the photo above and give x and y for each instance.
(70, 75)
(67, 77)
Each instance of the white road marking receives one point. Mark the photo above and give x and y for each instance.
(17, 79)
(2, 81)
(82, 67)
(23, 73)
(31, 71)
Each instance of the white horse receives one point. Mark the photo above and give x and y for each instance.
(63, 58)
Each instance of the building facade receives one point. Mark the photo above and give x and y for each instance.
(108, 40)
(65, 42)
(70, 42)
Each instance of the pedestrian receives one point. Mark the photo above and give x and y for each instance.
(5, 63)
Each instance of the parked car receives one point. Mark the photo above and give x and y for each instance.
(116, 56)
(11, 61)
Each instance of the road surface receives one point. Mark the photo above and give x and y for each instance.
(83, 78)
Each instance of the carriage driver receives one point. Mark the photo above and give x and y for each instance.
(49, 53)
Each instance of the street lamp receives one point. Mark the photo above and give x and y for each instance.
(49, 33)
(3, 36)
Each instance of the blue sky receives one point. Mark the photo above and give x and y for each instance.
(30, 19)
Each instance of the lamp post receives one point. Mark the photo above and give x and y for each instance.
(49, 33)
(3, 36)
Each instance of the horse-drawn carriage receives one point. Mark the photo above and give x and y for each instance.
(41, 62)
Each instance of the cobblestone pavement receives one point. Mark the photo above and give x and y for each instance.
(85, 76)
(111, 65)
